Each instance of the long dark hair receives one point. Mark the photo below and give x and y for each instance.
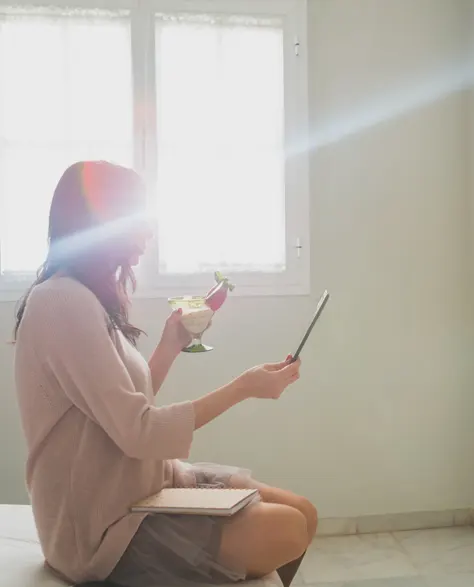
(89, 217)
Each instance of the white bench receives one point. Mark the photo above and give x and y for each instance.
(21, 561)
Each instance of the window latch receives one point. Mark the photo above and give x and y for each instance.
(298, 247)
(297, 46)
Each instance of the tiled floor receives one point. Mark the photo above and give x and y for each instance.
(424, 558)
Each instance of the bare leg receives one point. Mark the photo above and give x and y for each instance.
(284, 497)
(268, 494)
(275, 495)
(272, 535)
(263, 538)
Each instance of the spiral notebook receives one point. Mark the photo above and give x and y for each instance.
(197, 501)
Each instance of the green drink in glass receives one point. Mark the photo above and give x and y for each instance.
(196, 318)
(197, 312)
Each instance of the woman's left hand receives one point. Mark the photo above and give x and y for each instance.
(175, 336)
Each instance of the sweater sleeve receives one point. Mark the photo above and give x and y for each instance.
(82, 357)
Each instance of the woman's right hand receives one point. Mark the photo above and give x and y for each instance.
(269, 381)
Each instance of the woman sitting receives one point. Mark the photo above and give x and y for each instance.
(96, 441)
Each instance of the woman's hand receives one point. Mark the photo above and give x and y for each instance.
(266, 381)
(173, 340)
(269, 381)
(175, 336)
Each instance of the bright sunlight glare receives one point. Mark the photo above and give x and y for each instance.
(66, 96)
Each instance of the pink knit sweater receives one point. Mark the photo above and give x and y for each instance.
(96, 443)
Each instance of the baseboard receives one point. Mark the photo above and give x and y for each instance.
(395, 522)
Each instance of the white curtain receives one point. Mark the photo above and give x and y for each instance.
(65, 95)
(220, 101)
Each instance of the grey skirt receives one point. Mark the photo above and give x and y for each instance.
(171, 550)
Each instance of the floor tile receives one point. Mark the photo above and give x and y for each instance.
(298, 581)
(440, 552)
(349, 558)
(391, 582)
(461, 580)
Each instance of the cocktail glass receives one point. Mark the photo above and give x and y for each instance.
(196, 318)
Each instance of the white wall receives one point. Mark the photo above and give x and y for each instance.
(381, 420)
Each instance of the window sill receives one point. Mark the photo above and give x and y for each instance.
(13, 291)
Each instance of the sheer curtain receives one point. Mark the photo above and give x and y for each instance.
(65, 95)
(221, 185)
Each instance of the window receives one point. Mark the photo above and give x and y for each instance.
(65, 95)
(207, 99)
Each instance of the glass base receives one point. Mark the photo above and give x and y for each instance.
(197, 347)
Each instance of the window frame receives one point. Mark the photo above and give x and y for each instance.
(295, 280)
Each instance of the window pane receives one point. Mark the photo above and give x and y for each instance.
(65, 95)
(221, 183)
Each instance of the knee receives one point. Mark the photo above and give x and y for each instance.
(264, 538)
(292, 532)
(311, 515)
